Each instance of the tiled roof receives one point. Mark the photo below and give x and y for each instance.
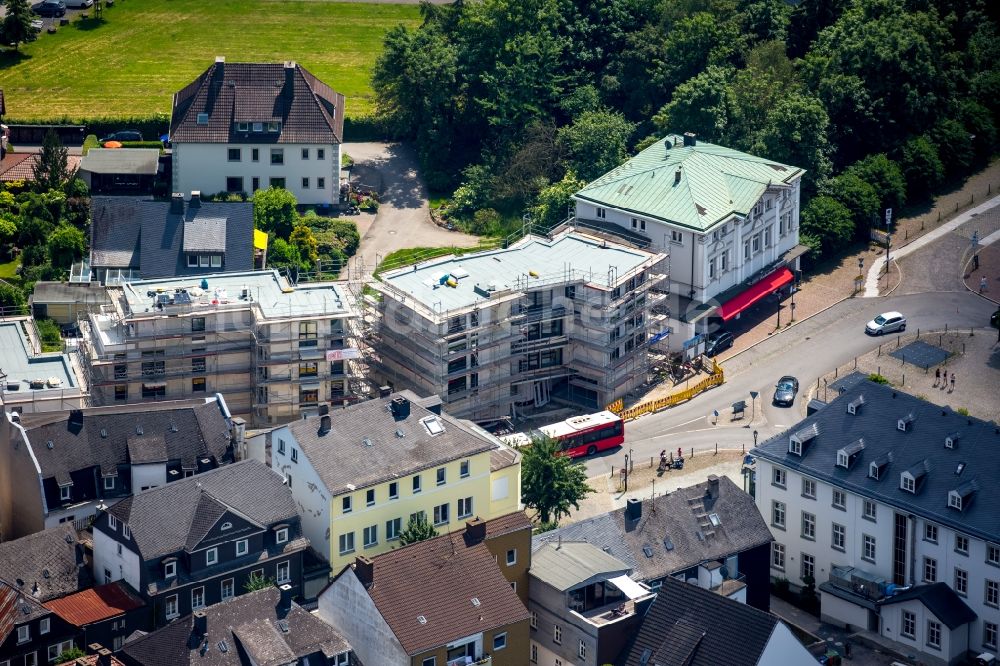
(163, 519)
(16, 609)
(191, 429)
(507, 524)
(941, 600)
(364, 446)
(308, 110)
(715, 183)
(44, 564)
(139, 161)
(95, 660)
(669, 530)
(440, 580)
(249, 627)
(139, 233)
(690, 626)
(95, 604)
(974, 458)
(21, 166)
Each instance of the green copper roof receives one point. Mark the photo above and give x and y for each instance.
(715, 183)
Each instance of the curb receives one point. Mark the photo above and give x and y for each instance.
(976, 292)
(899, 271)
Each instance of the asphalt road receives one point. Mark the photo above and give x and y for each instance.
(807, 350)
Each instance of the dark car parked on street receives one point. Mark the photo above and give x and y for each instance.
(718, 342)
(123, 135)
(51, 8)
(785, 390)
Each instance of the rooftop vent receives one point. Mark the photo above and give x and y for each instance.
(677, 176)
(138, 430)
(202, 118)
(476, 602)
(49, 445)
(951, 441)
(714, 518)
(223, 646)
(960, 468)
(647, 551)
(667, 543)
(45, 574)
(283, 626)
(421, 619)
(104, 433)
(904, 423)
(173, 428)
(690, 139)
(854, 405)
(400, 434)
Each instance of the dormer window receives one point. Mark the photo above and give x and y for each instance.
(258, 127)
(951, 441)
(242, 127)
(850, 453)
(911, 479)
(281, 535)
(66, 492)
(904, 423)
(961, 497)
(855, 405)
(955, 500)
(799, 440)
(112, 523)
(907, 482)
(273, 127)
(202, 118)
(170, 569)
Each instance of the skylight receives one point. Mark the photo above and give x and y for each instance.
(433, 425)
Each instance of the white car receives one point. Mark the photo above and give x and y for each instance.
(79, 4)
(887, 322)
(37, 24)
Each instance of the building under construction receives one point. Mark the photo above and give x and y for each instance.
(276, 350)
(568, 317)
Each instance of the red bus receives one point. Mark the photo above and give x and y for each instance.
(580, 435)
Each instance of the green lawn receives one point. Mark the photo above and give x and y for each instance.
(145, 50)
(9, 269)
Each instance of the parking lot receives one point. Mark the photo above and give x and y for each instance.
(47, 22)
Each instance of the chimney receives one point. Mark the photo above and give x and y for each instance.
(285, 602)
(289, 75)
(200, 627)
(713, 486)
(104, 656)
(220, 60)
(385, 391)
(177, 203)
(364, 569)
(400, 408)
(475, 530)
(324, 424)
(324, 409)
(633, 509)
(677, 176)
(195, 198)
(690, 139)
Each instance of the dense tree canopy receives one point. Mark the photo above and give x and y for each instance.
(504, 98)
(551, 483)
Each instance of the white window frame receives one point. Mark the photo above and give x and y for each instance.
(511, 557)
(778, 509)
(112, 523)
(838, 537)
(908, 618)
(842, 496)
(465, 507)
(345, 543)
(809, 521)
(369, 536)
(557, 634)
(808, 488)
(169, 569)
(868, 548)
(870, 510)
(232, 589)
(779, 477)
(242, 547)
(581, 650)
(66, 493)
(281, 535)
(107, 485)
(346, 504)
(500, 638)
(44, 625)
(211, 556)
(287, 577)
(23, 633)
(171, 601)
(777, 556)
(194, 594)
(933, 634)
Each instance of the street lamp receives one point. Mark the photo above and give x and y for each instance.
(755, 438)
(777, 297)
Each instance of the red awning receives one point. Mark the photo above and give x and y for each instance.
(768, 285)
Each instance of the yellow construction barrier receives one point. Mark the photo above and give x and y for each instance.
(618, 406)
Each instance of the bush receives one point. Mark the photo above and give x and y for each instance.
(366, 128)
(963, 411)
(90, 142)
(877, 378)
(828, 221)
(48, 333)
(151, 127)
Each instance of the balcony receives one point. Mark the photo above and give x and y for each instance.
(608, 614)
(485, 660)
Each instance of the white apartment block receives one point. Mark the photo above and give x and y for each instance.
(276, 350)
(887, 501)
(568, 317)
(240, 127)
(729, 221)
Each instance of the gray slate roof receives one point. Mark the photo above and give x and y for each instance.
(249, 626)
(941, 600)
(572, 563)
(239, 92)
(106, 436)
(689, 626)
(46, 563)
(173, 517)
(679, 516)
(876, 421)
(341, 456)
(139, 233)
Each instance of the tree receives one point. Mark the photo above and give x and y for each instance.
(52, 170)
(884, 176)
(282, 254)
(551, 483)
(303, 239)
(553, 203)
(795, 133)
(692, 44)
(857, 196)
(65, 245)
(417, 529)
(256, 581)
(922, 167)
(11, 297)
(954, 147)
(829, 221)
(69, 655)
(16, 26)
(700, 105)
(595, 143)
(274, 211)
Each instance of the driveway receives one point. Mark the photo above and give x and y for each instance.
(403, 219)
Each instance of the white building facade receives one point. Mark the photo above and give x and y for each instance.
(240, 127)
(729, 221)
(880, 527)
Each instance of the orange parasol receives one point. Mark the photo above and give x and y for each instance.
(112, 144)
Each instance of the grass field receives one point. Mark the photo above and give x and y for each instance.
(143, 51)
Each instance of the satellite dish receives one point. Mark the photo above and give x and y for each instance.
(724, 571)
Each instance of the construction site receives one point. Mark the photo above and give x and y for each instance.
(568, 318)
(276, 350)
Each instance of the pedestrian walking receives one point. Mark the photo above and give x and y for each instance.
(983, 285)
(944, 382)
(952, 383)
(937, 376)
